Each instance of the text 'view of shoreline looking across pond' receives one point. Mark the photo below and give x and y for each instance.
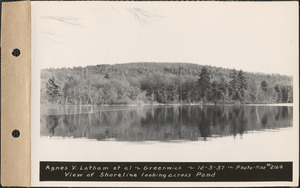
(161, 102)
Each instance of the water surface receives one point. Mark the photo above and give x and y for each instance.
(162, 123)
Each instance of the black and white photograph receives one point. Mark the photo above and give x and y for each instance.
(165, 82)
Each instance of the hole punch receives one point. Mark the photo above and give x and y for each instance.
(16, 52)
(15, 133)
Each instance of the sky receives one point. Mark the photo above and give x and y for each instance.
(252, 36)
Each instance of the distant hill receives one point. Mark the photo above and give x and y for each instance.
(161, 83)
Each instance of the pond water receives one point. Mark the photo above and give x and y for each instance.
(162, 123)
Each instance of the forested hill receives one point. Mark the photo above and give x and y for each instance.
(136, 83)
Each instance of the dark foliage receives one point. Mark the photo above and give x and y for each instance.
(137, 83)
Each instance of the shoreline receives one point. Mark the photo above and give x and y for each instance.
(175, 104)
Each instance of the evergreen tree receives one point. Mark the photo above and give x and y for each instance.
(204, 84)
(54, 92)
(234, 85)
(242, 84)
(286, 94)
(264, 86)
(223, 87)
(216, 93)
(237, 85)
(279, 94)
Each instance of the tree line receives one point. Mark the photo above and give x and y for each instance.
(166, 83)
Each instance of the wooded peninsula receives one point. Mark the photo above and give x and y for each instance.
(161, 83)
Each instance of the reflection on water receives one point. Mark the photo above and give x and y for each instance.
(161, 123)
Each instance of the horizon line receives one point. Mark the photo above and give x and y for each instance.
(165, 62)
